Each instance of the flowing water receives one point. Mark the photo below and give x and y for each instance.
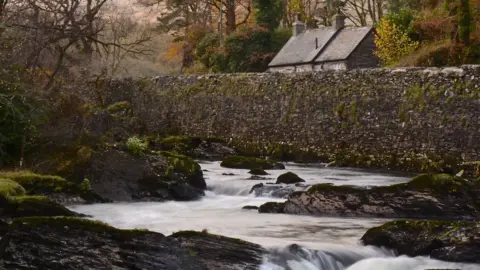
(321, 243)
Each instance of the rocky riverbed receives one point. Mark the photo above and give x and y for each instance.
(49, 222)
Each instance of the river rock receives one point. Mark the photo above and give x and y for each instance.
(120, 176)
(276, 191)
(250, 207)
(426, 196)
(258, 172)
(72, 243)
(241, 162)
(456, 241)
(75, 243)
(221, 253)
(289, 178)
(272, 207)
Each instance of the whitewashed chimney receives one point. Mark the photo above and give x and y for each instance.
(298, 26)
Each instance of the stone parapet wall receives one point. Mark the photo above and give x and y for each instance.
(390, 118)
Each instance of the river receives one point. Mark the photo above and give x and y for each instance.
(336, 240)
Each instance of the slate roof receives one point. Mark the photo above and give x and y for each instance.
(332, 45)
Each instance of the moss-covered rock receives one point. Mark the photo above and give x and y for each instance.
(258, 171)
(157, 176)
(220, 252)
(425, 196)
(55, 187)
(445, 240)
(26, 206)
(74, 243)
(179, 144)
(75, 223)
(37, 183)
(10, 188)
(185, 167)
(289, 178)
(272, 207)
(241, 162)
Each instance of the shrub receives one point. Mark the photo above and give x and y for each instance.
(85, 185)
(136, 146)
(402, 20)
(392, 44)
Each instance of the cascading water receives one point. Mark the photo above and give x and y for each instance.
(320, 243)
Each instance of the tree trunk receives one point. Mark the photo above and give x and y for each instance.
(231, 19)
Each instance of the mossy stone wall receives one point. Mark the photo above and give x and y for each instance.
(391, 118)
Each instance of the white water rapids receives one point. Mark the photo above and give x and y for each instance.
(336, 240)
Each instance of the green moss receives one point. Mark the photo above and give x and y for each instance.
(84, 154)
(438, 183)
(37, 183)
(353, 112)
(136, 146)
(85, 185)
(89, 109)
(179, 143)
(24, 206)
(340, 110)
(417, 226)
(241, 162)
(76, 223)
(122, 106)
(10, 188)
(180, 163)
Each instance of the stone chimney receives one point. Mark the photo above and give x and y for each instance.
(339, 21)
(298, 26)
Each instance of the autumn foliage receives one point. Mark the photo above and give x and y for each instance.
(393, 44)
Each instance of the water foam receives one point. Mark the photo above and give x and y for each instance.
(295, 257)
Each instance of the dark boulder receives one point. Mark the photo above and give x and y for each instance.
(250, 207)
(276, 191)
(272, 207)
(258, 171)
(289, 178)
(75, 243)
(221, 253)
(241, 162)
(72, 243)
(259, 185)
(25, 206)
(457, 241)
(425, 196)
(120, 176)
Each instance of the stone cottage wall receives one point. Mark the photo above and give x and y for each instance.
(399, 118)
(363, 56)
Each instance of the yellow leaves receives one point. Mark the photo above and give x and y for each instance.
(393, 44)
(174, 53)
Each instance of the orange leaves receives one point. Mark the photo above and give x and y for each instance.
(174, 53)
